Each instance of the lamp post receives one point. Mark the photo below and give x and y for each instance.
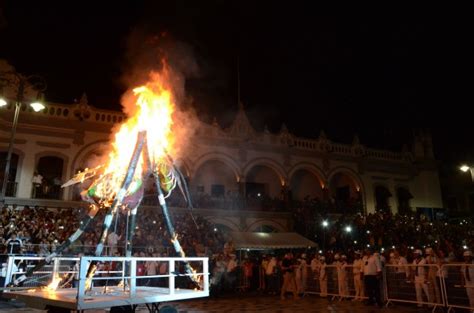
(22, 83)
(325, 225)
(348, 230)
(466, 168)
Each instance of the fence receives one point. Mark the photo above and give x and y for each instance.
(336, 281)
(418, 284)
(458, 285)
(449, 285)
(19, 265)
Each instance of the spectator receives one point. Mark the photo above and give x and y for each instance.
(37, 182)
(14, 245)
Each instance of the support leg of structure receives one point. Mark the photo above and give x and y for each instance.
(137, 152)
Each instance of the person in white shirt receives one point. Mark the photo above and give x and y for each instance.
(304, 271)
(431, 261)
(151, 269)
(342, 282)
(323, 279)
(467, 271)
(401, 262)
(315, 265)
(231, 272)
(397, 274)
(37, 182)
(332, 272)
(112, 241)
(372, 275)
(421, 278)
(358, 272)
(301, 273)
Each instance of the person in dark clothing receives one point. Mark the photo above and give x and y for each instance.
(289, 283)
(14, 245)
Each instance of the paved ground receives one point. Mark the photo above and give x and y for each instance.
(255, 304)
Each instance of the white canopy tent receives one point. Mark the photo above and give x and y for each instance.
(270, 241)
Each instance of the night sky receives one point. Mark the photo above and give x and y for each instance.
(378, 75)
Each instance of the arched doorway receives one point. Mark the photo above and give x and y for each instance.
(50, 168)
(13, 170)
(404, 196)
(305, 186)
(214, 185)
(381, 198)
(263, 188)
(345, 195)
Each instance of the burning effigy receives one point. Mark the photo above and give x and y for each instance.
(142, 149)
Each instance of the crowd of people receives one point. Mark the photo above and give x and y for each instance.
(384, 230)
(386, 239)
(358, 275)
(37, 231)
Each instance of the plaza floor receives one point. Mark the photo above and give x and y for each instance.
(260, 304)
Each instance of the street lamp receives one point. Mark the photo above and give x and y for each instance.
(466, 168)
(325, 224)
(16, 80)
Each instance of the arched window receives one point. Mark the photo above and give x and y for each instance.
(404, 196)
(381, 199)
(48, 185)
(345, 194)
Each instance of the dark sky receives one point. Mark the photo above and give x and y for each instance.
(379, 75)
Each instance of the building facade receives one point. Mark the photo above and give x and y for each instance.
(241, 179)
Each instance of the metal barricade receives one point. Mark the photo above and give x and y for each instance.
(352, 283)
(312, 280)
(422, 286)
(338, 281)
(459, 291)
(332, 281)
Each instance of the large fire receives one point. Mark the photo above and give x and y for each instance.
(154, 109)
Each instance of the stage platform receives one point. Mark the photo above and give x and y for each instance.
(97, 299)
(113, 296)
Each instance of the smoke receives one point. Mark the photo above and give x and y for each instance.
(149, 56)
(5, 66)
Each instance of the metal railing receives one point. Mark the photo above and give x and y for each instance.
(116, 280)
(18, 265)
(336, 281)
(458, 290)
(417, 284)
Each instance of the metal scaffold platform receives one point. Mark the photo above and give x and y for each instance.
(107, 288)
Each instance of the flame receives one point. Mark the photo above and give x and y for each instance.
(154, 107)
(55, 283)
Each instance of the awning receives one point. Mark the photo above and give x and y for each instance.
(269, 241)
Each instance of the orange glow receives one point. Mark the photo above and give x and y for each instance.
(154, 107)
(55, 283)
